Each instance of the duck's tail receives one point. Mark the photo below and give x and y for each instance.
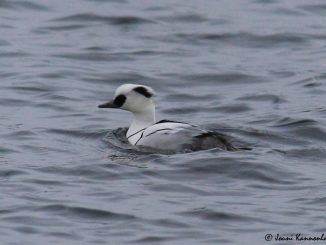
(210, 139)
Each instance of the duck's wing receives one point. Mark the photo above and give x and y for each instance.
(177, 136)
(169, 135)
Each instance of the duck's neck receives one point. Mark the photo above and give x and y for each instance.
(142, 119)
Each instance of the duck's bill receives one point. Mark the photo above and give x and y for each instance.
(109, 104)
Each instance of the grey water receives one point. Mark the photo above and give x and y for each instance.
(251, 69)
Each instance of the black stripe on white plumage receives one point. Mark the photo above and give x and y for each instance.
(164, 135)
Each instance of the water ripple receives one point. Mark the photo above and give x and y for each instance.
(243, 39)
(314, 8)
(113, 20)
(22, 5)
(86, 213)
(224, 78)
(212, 215)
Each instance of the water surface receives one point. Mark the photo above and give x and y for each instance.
(252, 69)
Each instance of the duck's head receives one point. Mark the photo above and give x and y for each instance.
(135, 98)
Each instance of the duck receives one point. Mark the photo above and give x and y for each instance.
(163, 135)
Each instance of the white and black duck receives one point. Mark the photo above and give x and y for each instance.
(164, 135)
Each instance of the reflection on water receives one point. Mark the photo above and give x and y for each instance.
(253, 70)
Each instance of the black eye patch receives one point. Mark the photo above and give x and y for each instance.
(119, 100)
(143, 91)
